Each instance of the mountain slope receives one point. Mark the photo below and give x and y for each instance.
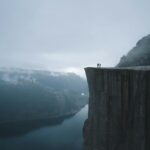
(139, 55)
(32, 95)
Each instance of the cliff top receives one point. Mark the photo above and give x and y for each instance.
(135, 68)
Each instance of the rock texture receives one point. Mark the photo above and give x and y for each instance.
(139, 55)
(119, 114)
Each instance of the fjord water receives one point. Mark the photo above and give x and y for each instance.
(64, 136)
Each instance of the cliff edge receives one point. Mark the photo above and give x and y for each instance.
(119, 111)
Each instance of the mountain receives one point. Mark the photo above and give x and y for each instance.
(139, 55)
(119, 103)
(33, 95)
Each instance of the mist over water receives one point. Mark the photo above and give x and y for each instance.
(64, 136)
(59, 36)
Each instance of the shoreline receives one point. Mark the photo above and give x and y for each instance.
(66, 115)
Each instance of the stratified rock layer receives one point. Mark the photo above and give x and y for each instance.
(119, 109)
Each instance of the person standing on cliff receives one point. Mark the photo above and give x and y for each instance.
(98, 65)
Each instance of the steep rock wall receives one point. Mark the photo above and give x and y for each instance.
(119, 109)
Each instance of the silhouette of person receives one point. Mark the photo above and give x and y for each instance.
(98, 65)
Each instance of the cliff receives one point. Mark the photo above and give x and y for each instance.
(119, 111)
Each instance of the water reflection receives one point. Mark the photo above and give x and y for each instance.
(21, 128)
(64, 135)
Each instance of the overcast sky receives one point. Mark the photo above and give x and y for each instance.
(68, 35)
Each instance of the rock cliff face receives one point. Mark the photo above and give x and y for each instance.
(119, 114)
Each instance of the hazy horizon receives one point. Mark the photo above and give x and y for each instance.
(68, 35)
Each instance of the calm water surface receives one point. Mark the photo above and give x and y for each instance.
(66, 135)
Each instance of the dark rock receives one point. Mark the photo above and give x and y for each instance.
(119, 111)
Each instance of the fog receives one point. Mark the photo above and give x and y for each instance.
(68, 35)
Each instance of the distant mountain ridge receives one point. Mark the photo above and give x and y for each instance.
(139, 55)
(34, 94)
